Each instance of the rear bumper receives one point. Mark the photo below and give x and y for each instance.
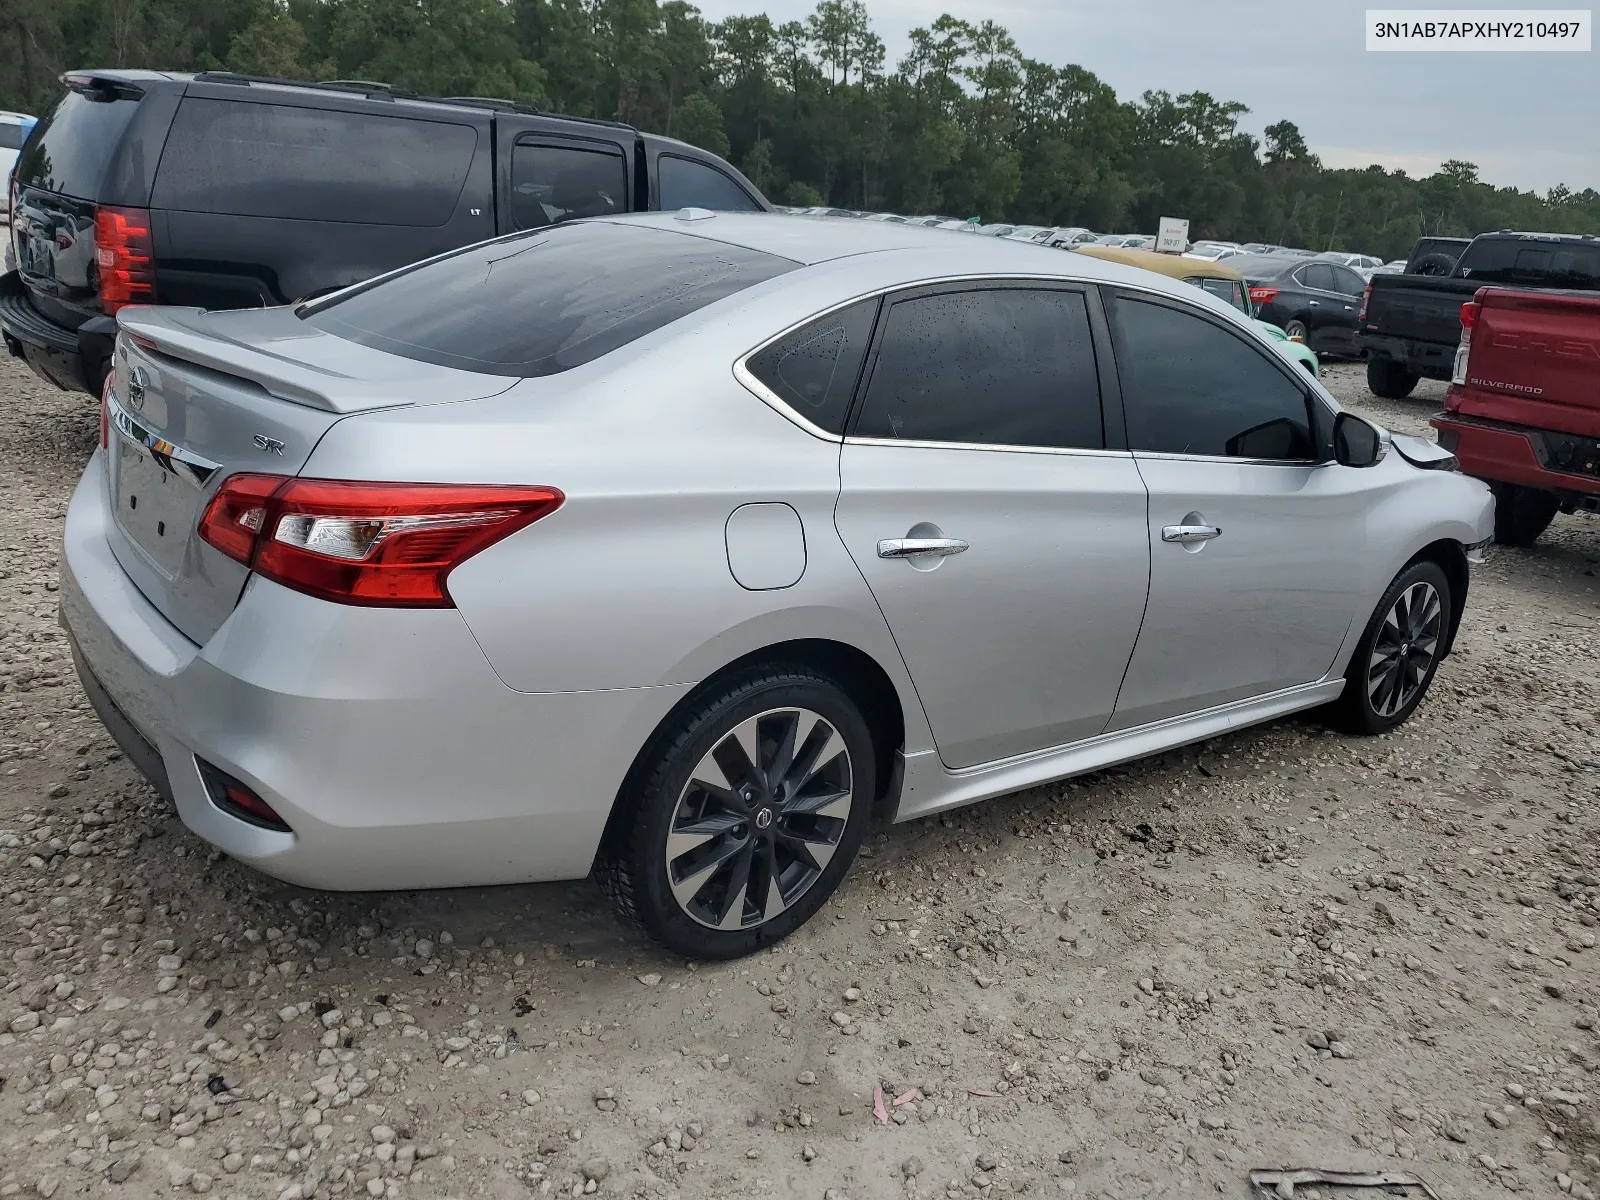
(381, 736)
(1536, 458)
(73, 359)
(1431, 360)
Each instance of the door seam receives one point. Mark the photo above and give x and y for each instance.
(1149, 586)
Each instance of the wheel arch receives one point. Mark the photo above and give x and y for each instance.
(861, 676)
(1451, 558)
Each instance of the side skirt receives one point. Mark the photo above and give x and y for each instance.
(930, 787)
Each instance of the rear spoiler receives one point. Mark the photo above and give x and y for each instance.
(203, 339)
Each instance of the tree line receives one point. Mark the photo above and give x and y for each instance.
(965, 124)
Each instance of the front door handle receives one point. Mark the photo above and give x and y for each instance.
(920, 547)
(1189, 535)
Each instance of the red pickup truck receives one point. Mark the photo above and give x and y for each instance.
(1523, 409)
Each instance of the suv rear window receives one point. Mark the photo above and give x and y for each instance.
(75, 143)
(10, 135)
(543, 302)
(1540, 264)
(315, 164)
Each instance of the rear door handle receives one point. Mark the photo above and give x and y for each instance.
(920, 547)
(1314, 303)
(1188, 535)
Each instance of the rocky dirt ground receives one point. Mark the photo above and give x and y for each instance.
(1280, 948)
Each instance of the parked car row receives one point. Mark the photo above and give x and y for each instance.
(14, 130)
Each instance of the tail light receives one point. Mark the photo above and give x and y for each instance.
(378, 544)
(1469, 321)
(237, 800)
(105, 411)
(1366, 299)
(126, 257)
(1263, 295)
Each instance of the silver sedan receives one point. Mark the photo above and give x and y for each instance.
(688, 548)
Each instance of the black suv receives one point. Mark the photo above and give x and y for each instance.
(228, 191)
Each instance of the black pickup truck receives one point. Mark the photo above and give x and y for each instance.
(229, 191)
(1409, 325)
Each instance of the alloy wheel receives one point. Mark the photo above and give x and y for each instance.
(758, 821)
(1404, 651)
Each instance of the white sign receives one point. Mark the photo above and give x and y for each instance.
(1475, 29)
(1173, 236)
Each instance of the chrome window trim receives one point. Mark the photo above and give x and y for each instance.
(185, 464)
(1005, 448)
(1238, 462)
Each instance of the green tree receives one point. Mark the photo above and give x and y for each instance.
(272, 44)
(700, 124)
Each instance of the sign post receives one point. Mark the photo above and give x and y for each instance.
(1173, 236)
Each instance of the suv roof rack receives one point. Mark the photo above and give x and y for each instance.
(378, 90)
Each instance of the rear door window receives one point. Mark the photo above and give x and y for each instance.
(314, 164)
(543, 302)
(689, 184)
(1537, 264)
(75, 143)
(553, 183)
(1319, 277)
(994, 367)
(814, 369)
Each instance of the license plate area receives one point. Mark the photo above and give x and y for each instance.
(156, 507)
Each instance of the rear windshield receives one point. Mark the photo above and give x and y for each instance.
(546, 301)
(74, 143)
(1539, 264)
(312, 164)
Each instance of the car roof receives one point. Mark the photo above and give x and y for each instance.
(900, 253)
(1173, 266)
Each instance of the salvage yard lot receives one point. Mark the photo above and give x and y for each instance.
(1283, 947)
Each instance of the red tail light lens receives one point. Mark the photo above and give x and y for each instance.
(378, 544)
(1366, 299)
(126, 257)
(237, 800)
(1469, 315)
(1263, 295)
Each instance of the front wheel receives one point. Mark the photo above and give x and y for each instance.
(743, 814)
(1395, 660)
(1521, 514)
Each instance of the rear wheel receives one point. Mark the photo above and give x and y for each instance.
(743, 814)
(1389, 379)
(1394, 663)
(1521, 514)
(1296, 330)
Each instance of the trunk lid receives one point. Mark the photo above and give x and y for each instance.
(1534, 361)
(198, 396)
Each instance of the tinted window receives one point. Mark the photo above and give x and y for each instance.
(1347, 282)
(1006, 366)
(815, 368)
(274, 160)
(10, 135)
(689, 184)
(1191, 387)
(543, 302)
(559, 183)
(1548, 264)
(74, 145)
(1318, 276)
(1229, 291)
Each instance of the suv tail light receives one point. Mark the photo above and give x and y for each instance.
(1366, 299)
(126, 257)
(1263, 295)
(386, 545)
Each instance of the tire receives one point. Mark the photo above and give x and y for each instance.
(1388, 379)
(1433, 264)
(1395, 660)
(1296, 329)
(1521, 514)
(803, 828)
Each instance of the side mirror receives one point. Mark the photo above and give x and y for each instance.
(1356, 443)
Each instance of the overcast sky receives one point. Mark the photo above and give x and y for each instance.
(1528, 120)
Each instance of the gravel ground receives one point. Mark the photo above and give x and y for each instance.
(1280, 948)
